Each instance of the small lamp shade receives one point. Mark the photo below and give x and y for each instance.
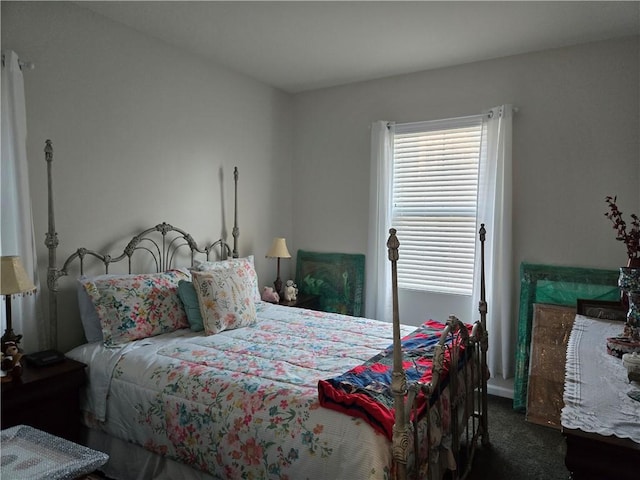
(13, 278)
(13, 281)
(278, 249)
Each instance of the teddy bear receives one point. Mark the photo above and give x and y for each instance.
(270, 295)
(290, 291)
(11, 357)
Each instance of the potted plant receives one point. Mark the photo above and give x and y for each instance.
(629, 280)
(631, 237)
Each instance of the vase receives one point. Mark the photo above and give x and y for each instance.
(629, 341)
(631, 263)
(632, 327)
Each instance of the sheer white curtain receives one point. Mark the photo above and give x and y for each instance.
(494, 210)
(378, 268)
(16, 234)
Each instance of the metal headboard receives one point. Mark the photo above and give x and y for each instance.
(162, 243)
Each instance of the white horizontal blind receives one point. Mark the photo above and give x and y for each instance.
(435, 189)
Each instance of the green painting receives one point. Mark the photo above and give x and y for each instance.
(337, 279)
(556, 285)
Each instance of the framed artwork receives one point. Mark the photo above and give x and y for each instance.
(550, 332)
(557, 285)
(605, 309)
(337, 279)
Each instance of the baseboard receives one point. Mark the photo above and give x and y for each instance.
(500, 387)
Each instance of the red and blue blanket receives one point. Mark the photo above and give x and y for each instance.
(365, 391)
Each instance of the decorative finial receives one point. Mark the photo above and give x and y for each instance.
(48, 151)
(393, 244)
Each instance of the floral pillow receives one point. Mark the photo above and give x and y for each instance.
(246, 264)
(138, 306)
(226, 298)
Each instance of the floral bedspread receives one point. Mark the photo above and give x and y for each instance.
(365, 390)
(244, 403)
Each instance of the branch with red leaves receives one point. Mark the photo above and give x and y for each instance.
(631, 237)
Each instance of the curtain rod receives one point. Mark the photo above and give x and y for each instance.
(488, 113)
(24, 65)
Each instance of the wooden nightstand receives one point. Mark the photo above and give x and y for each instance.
(311, 302)
(46, 398)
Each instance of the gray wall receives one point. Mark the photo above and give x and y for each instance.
(141, 132)
(575, 140)
(130, 115)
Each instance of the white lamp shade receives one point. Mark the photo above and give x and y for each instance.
(14, 279)
(278, 249)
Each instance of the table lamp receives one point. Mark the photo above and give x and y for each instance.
(13, 281)
(278, 250)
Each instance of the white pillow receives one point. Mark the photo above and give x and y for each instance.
(226, 298)
(245, 263)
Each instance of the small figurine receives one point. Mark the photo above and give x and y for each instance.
(11, 359)
(270, 295)
(290, 291)
(631, 361)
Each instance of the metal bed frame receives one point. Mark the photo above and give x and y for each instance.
(162, 242)
(163, 252)
(404, 396)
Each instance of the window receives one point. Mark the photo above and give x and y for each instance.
(397, 201)
(434, 202)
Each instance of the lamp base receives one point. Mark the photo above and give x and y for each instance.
(8, 336)
(277, 285)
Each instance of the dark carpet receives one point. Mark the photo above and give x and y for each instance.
(518, 449)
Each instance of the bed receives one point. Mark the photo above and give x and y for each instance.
(191, 375)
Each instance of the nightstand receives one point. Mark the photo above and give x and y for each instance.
(46, 398)
(312, 302)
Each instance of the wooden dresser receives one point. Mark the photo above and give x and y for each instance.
(600, 422)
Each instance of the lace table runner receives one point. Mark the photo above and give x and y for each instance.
(596, 386)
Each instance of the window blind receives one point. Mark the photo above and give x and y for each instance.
(435, 189)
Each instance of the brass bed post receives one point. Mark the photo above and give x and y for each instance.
(399, 380)
(484, 342)
(236, 231)
(51, 241)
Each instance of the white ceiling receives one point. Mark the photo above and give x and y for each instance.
(303, 45)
